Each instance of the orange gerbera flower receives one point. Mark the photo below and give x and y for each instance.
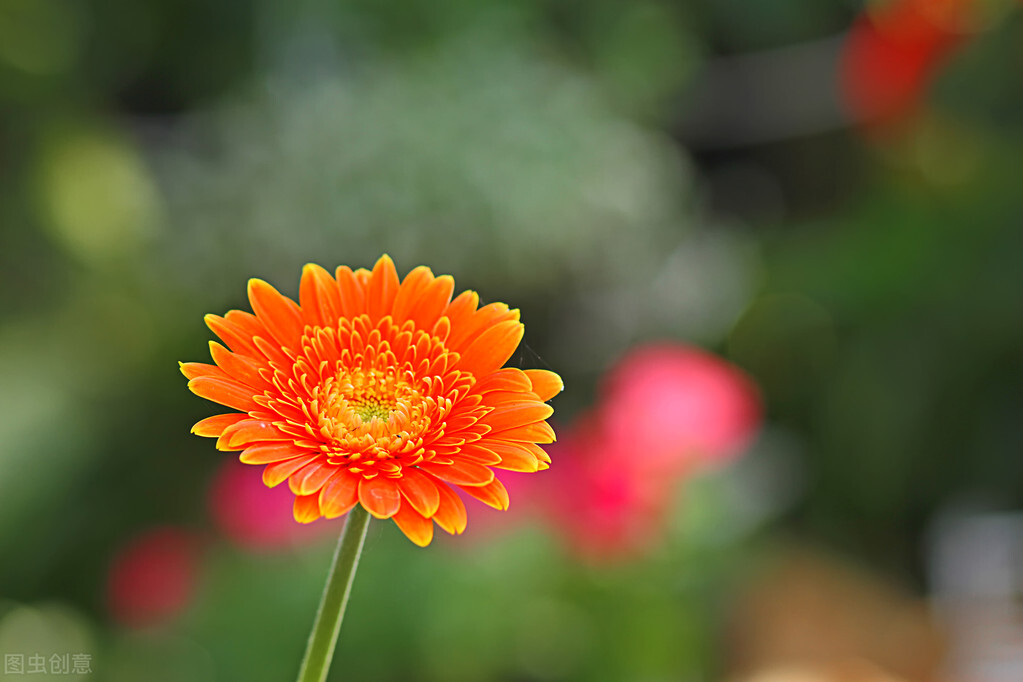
(376, 392)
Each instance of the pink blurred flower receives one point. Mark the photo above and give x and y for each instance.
(603, 510)
(667, 407)
(256, 517)
(153, 577)
(665, 410)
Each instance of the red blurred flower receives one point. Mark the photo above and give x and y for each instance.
(254, 516)
(668, 406)
(153, 577)
(892, 53)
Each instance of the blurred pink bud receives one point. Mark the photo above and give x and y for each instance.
(668, 406)
(256, 517)
(486, 523)
(152, 578)
(604, 510)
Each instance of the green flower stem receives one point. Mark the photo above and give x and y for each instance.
(323, 638)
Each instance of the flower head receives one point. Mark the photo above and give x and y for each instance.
(377, 392)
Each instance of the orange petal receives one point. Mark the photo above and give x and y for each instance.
(450, 515)
(247, 432)
(460, 312)
(248, 324)
(546, 384)
(310, 478)
(212, 427)
(540, 432)
(194, 370)
(428, 310)
(383, 287)
(511, 415)
(239, 367)
(460, 472)
(537, 451)
(442, 330)
(416, 528)
(509, 379)
(492, 348)
(489, 315)
(270, 350)
(412, 287)
(460, 420)
(492, 494)
(278, 472)
(339, 494)
(318, 296)
(380, 496)
(492, 314)
(499, 399)
(420, 491)
(480, 454)
(514, 457)
(235, 338)
(277, 312)
(268, 453)
(307, 508)
(353, 296)
(224, 391)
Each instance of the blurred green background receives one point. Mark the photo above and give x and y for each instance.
(842, 224)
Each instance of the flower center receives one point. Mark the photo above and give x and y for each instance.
(372, 409)
(369, 415)
(372, 399)
(355, 398)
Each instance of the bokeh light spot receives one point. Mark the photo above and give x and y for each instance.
(96, 196)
